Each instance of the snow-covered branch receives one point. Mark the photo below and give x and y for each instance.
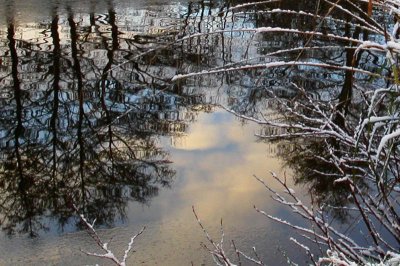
(107, 252)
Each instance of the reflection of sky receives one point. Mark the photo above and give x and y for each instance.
(219, 156)
(215, 163)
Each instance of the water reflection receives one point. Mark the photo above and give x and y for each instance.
(88, 107)
(72, 133)
(307, 159)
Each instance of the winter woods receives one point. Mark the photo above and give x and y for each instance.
(348, 139)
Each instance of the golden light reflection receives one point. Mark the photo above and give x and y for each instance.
(202, 135)
(215, 174)
(219, 178)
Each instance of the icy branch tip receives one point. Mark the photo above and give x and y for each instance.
(176, 77)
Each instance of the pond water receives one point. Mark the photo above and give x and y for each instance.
(90, 116)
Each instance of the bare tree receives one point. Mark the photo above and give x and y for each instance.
(358, 131)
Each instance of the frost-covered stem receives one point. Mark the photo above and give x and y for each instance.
(218, 252)
(251, 4)
(321, 223)
(304, 129)
(352, 14)
(104, 246)
(306, 249)
(247, 257)
(372, 207)
(274, 65)
(381, 215)
(364, 216)
(343, 244)
(296, 227)
(334, 261)
(130, 244)
(293, 12)
(237, 253)
(291, 50)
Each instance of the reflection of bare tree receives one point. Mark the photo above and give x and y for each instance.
(252, 81)
(56, 72)
(72, 143)
(19, 170)
(106, 84)
(98, 96)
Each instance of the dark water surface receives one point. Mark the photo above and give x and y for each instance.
(89, 116)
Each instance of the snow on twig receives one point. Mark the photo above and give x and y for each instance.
(104, 245)
(274, 65)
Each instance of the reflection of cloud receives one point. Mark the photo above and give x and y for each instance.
(205, 134)
(215, 172)
(217, 180)
(216, 169)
